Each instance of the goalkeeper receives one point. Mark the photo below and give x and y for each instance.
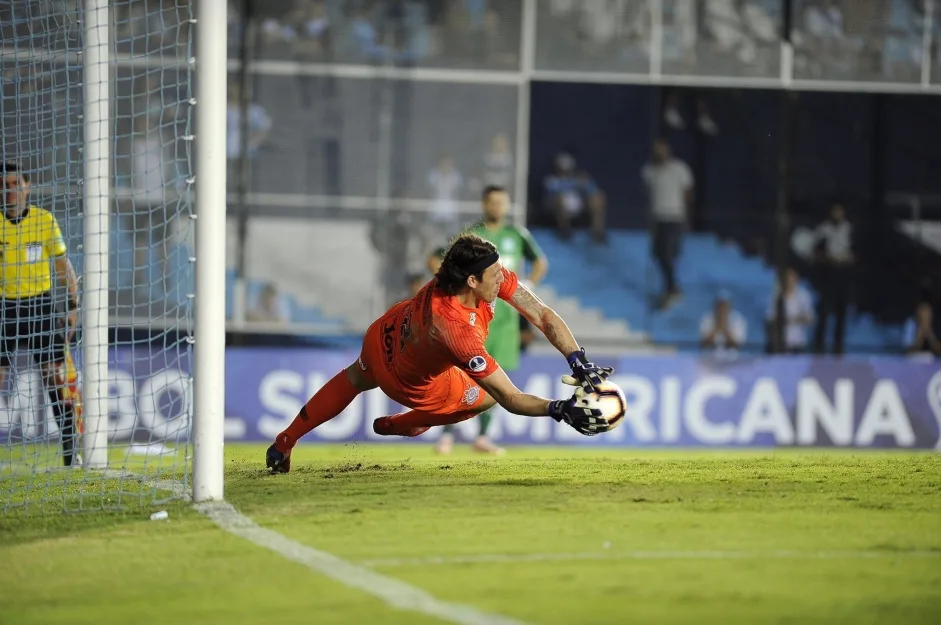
(29, 239)
(516, 246)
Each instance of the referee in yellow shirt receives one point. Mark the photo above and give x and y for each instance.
(29, 239)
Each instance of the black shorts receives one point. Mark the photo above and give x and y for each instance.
(31, 323)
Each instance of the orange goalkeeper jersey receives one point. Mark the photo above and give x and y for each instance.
(426, 335)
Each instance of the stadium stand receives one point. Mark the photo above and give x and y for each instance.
(621, 280)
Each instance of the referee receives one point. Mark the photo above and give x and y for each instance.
(29, 239)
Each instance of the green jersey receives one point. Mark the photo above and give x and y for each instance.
(516, 246)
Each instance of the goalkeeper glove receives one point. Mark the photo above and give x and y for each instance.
(585, 373)
(587, 421)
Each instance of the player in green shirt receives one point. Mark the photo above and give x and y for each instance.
(516, 247)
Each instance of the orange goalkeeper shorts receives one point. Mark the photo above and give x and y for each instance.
(449, 392)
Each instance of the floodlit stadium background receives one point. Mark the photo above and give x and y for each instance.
(350, 109)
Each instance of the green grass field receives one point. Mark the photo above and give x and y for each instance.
(540, 536)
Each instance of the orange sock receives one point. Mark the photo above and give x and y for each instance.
(326, 403)
(417, 418)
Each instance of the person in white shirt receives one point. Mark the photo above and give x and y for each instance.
(670, 188)
(798, 314)
(270, 307)
(722, 330)
(834, 261)
(259, 125)
(445, 183)
(153, 204)
(498, 163)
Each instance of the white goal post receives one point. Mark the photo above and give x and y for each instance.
(209, 349)
(210, 184)
(112, 126)
(97, 206)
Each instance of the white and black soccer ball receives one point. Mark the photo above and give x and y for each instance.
(608, 398)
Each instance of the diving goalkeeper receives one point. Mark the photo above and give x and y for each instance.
(29, 239)
(428, 353)
(516, 247)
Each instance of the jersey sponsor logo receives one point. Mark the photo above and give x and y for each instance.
(405, 330)
(477, 364)
(473, 318)
(388, 342)
(471, 395)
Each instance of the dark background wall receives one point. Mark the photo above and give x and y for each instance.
(851, 146)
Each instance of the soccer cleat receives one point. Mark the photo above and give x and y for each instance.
(445, 444)
(386, 426)
(277, 460)
(486, 446)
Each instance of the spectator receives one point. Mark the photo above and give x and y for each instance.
(498, 163)
(571, 195)
(823, 39)
(834, 260)
(152, 208)
(311, 23)
(365, 35)
(919, 337)
(270, 307)
(259, 125)
(674, 119)
(416, 280)
(670, 188)
(445, 182)
(735, 26)
(724, 329)
(798, 314)
(313, 44)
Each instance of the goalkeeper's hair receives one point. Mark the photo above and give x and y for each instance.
(8, 167)
(466, 251)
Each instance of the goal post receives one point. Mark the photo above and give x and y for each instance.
(97, 202)
(209, 351)
(99, 109)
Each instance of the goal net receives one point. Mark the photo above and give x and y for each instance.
(140, 261)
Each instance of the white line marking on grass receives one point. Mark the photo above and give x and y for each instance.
(391, 591)
(510, 558)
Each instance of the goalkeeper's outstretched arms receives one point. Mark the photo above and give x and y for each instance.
(585, 419)
(584, 372)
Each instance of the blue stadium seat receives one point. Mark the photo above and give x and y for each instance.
(297, 312)
(622, 281)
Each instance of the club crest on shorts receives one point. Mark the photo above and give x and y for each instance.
(471, 395)
(477, 363)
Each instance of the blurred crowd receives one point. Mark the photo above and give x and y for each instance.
(865, 39)
(315, 135)
(454, 33)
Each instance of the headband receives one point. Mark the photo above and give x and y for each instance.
(482, 264)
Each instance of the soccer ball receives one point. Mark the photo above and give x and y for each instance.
(609, 399)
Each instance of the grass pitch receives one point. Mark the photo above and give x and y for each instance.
(542, 536)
